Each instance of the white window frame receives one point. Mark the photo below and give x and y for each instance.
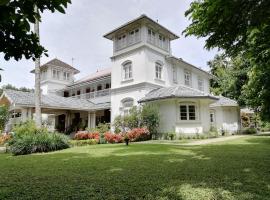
(134, 36)
(158, 70)
(151, 36)
(127, 71)
(188, 78)
(121, 41)
(127, 104)
(56, 74)
(188, 112)
(66, 76)
(200, 84)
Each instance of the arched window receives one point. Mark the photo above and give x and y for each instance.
(158, 70)
(127, 70)
(127, 104)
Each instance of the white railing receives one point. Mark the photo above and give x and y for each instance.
(92, 95)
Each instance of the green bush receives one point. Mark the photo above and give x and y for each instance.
(29, 139)
(248, 131)
(171, 136)
(83, 142)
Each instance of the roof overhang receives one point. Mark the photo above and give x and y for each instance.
(143, 19)
(178, 97)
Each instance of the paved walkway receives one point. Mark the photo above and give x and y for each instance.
(213, 140)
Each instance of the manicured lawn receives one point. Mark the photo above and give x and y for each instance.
(238, 169)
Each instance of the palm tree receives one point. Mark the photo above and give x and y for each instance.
(37, 79)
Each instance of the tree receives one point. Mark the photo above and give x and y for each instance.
(231, 76)
(239, 28)
(4, 115)
(16, 18)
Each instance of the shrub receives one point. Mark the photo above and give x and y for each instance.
(249, 131)
(113, 138)
(27, 127)
(5, 138)
(83, 142)
(38, 142)
(150, 118)
(171, 136)
(85, 135)
(138, 134)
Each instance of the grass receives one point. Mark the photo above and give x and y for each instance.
(237, 169)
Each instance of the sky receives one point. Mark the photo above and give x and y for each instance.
(78, 34)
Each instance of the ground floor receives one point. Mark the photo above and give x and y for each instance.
(169, 171)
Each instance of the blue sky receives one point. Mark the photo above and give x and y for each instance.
(79, 34)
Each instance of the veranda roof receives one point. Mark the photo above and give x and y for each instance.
(27, 99)
(175, 92)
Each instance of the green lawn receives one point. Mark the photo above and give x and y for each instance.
(238, 169)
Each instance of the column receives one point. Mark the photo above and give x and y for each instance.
(93, 120)
(24, 114)
(89, 120)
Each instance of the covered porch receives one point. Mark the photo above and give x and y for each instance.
(58, 113)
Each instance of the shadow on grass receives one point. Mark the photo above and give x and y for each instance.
(237, 170)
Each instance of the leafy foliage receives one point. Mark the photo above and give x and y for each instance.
(29, 139)
(16, 18)
(4, 115)
(11, 87)
(145, 116)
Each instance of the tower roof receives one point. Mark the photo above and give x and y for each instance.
(58, 63)
(142, 19)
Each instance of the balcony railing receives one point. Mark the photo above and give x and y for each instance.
(92, 95)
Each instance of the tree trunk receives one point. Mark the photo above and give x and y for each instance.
(37, 80)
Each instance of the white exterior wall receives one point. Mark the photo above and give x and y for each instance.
(227, 119)
(170, 117)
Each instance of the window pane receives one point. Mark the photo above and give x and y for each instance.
(192, 114)
(183, 112)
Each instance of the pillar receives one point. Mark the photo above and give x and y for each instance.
(89, 120)
(24, 114)
(93, 120)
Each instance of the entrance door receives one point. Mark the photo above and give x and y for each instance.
(61, 123)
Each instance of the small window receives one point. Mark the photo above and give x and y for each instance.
(78, 92)
(212, 117)
(151, 36)
(99, 87)
(158, 71)
(200, 84)
(187, 78)
(127, 104)
(127, 71)
(66, 76)
(174, 74)
(108, 85)
(188, 112)
(87, 90)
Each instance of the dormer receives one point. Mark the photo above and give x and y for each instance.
(55, 74)
(142, 31)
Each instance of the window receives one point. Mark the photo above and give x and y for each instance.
(134, 36)
(99, 87)
(212, 118)
(87, 90)
(158, 71)
(56, 74)
(187, 112)
(121, 41)
(161, 41)
(200, 84)
(78, 92)
(127, 71)
(127, 104)
(107, 86)
(66, 76)
(187, 78)
(174, 74)
(151, 36)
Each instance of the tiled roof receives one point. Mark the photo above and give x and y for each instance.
(175, 92)
(224, 101)
(98, 74)
(59, 63)
(51, 101)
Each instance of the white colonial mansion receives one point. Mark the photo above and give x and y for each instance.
(143, 70)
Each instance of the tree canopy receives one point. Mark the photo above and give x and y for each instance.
(239, 28)
(16, 17)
